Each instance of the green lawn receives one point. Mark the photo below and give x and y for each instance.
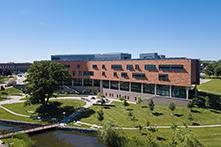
(119, 115)
(3, 79)
(11, 91)
(14, 142)
(213, 86)
(208, 136)
(6, 115)
(27, 110)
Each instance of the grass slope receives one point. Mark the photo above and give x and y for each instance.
(22, 109)
(208, 136)
(119, 115)
(11, 91)
(213, 86)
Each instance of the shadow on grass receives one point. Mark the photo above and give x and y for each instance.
(54, 111)
(216, 111)
(214, 99)
(157, 113)
(129, 109)
(161, 138)
(195, 111)
(178, 115)
(144, 106)
(87, 113)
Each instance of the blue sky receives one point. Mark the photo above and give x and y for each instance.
(34, 29)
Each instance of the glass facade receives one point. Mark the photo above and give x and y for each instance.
(163, 90)
(178, 91)
(87, 82)
(114, 85)
(149, 88)
(106, 84)
(97, 83)
(124, 86)
(135, 87)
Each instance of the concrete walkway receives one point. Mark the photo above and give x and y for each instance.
(159, 127)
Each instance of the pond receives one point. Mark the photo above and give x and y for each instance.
(58, 138)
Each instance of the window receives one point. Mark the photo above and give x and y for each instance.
(137, 67)
(124, 86)
(94, 66)
(163, 77)
(124, 75)
(78, 66)
(88, 73)
(103, 67)
(103, 74)
(150, 67)
(138, 75)
(116, 67)
(178, 68)
(115, 74)
(129, 67)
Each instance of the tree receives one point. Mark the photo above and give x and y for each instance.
(43, 80)
(207, 102)
(139, 100)
(209, 70)
(125, 103)
(100, 115)
(172, 106)
(151, 105)
(217, 70)
(110, 136)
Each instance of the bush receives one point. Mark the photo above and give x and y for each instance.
(26, 139)
(125, 103)
(111, 137)
(100, 115)
(172, 106)
(151, 105)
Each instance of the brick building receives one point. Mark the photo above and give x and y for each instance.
(117, 75)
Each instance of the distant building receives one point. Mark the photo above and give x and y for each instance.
(14, 67)
(117, 75)
(91, 57)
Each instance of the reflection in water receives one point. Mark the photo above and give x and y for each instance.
(60, 138)
(8, 127)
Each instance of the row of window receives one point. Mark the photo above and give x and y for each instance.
(162, 77)
(148, 67)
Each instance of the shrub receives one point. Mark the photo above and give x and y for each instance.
(151, 105)
(100, 115)
(125, 103)
(172, 106)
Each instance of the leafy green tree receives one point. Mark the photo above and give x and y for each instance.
(209, 70)
(43, 80)
(217, 70)
(172, 106)
(110, 136)
(100, 115)
(151, 105)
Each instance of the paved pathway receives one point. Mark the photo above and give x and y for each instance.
(159, 127)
